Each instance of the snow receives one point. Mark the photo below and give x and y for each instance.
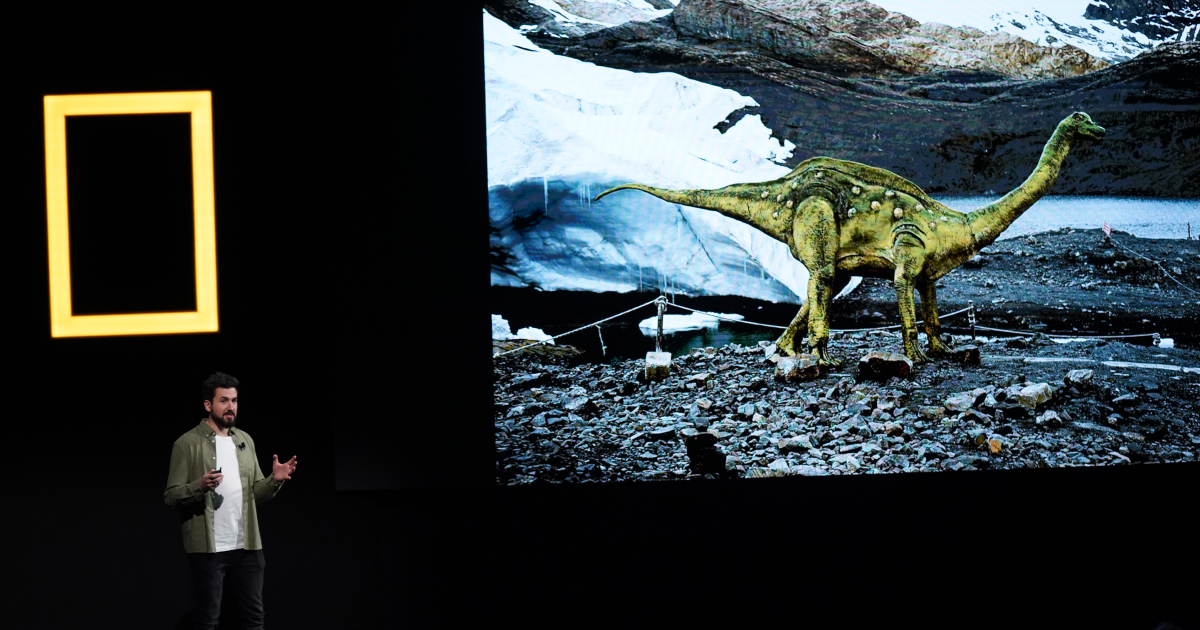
(675, 323)
(1166, 342)
(533, 334)
(560, 130)
(501, 332)
(1096, 37)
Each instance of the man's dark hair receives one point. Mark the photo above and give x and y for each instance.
(220, 379)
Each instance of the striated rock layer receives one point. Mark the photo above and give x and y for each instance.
(970, 130)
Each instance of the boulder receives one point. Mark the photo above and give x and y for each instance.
(798, 444)
(966, 355)
(1050, 418)
(882, 365)
(1079, 378)
(1034, 395)
(803, 367)
(963, 401)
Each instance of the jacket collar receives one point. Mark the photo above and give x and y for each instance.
(207, 431)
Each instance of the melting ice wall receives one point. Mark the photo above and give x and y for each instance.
(560, 131)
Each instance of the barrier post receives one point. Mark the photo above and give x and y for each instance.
(971, 317)
(661, 303)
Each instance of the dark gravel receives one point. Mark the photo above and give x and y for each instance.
(560, 420)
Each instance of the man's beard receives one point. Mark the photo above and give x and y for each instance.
(222, 422)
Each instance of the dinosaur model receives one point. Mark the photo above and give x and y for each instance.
(842, 218)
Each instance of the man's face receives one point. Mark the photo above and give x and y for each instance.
(223, 407)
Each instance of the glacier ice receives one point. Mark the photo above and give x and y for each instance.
(560, 131)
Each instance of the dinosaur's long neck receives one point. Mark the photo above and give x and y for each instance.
(739, 201)
(989, 221)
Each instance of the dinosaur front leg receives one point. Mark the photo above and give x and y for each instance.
(795, 330)
(815, 240)
(937, 347)
(799, 326)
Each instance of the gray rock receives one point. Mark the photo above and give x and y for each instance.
(803, 367)
(528, 381)
(798, 444)
(808, 471)
(930, 413)
(961, 401)
(780, 465)
(883, 365)
(1050, 419)
(1126, 401)
(666, 434)
(966, 355)
(1079, 378)
(851, 462)
(1034, 395)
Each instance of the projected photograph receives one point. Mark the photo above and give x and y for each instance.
(739, 239)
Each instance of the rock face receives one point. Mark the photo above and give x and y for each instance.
(957, 120)
(1159, 19)
(857, 37)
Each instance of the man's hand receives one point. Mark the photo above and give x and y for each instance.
(210, 480)
(284, 470)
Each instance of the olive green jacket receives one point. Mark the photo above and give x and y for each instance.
(193, 455)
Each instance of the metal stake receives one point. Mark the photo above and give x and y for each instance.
(662, 306)
(971, 317)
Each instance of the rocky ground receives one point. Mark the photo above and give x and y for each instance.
(1031, 402)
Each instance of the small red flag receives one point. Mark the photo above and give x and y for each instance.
(1107, 230)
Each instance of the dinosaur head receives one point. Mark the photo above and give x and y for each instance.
(1081, 125)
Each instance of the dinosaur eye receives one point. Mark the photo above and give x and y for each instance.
(1078, 116)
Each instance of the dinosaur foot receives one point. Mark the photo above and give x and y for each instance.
(915, 354)
(939, 349)
(824, 360)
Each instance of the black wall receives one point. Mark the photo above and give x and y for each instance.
(305, 140)
(349, 156)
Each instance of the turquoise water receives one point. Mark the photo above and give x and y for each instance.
(1144, 217)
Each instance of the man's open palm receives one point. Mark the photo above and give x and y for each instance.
(282, 471)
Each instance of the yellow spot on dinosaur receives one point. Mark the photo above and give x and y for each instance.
(764, 195)
(898, 213)
(856, 190)
(789, 203)
(919, 208)
(889, 194)
(875, 205)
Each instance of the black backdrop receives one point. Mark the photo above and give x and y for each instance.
(349, 163)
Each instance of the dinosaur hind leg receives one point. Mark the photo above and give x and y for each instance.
(937, 347)
(815, 238)
(909, 261)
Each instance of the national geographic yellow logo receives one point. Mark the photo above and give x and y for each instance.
(204, 318)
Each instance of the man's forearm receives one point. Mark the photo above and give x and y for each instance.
(183, 494)
(266, 488)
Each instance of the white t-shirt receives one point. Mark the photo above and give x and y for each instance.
(229, 529)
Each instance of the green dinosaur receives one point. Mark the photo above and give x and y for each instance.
(842, 218)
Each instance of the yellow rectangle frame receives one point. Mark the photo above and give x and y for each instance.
(204, 318)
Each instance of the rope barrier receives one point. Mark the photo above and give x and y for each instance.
(1164, 269)
(662, 302)
(1029, 334)
(537, 343)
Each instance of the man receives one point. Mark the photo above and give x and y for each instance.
(219, 519)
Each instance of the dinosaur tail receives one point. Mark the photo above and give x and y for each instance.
(747, 203)
(672, 196)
